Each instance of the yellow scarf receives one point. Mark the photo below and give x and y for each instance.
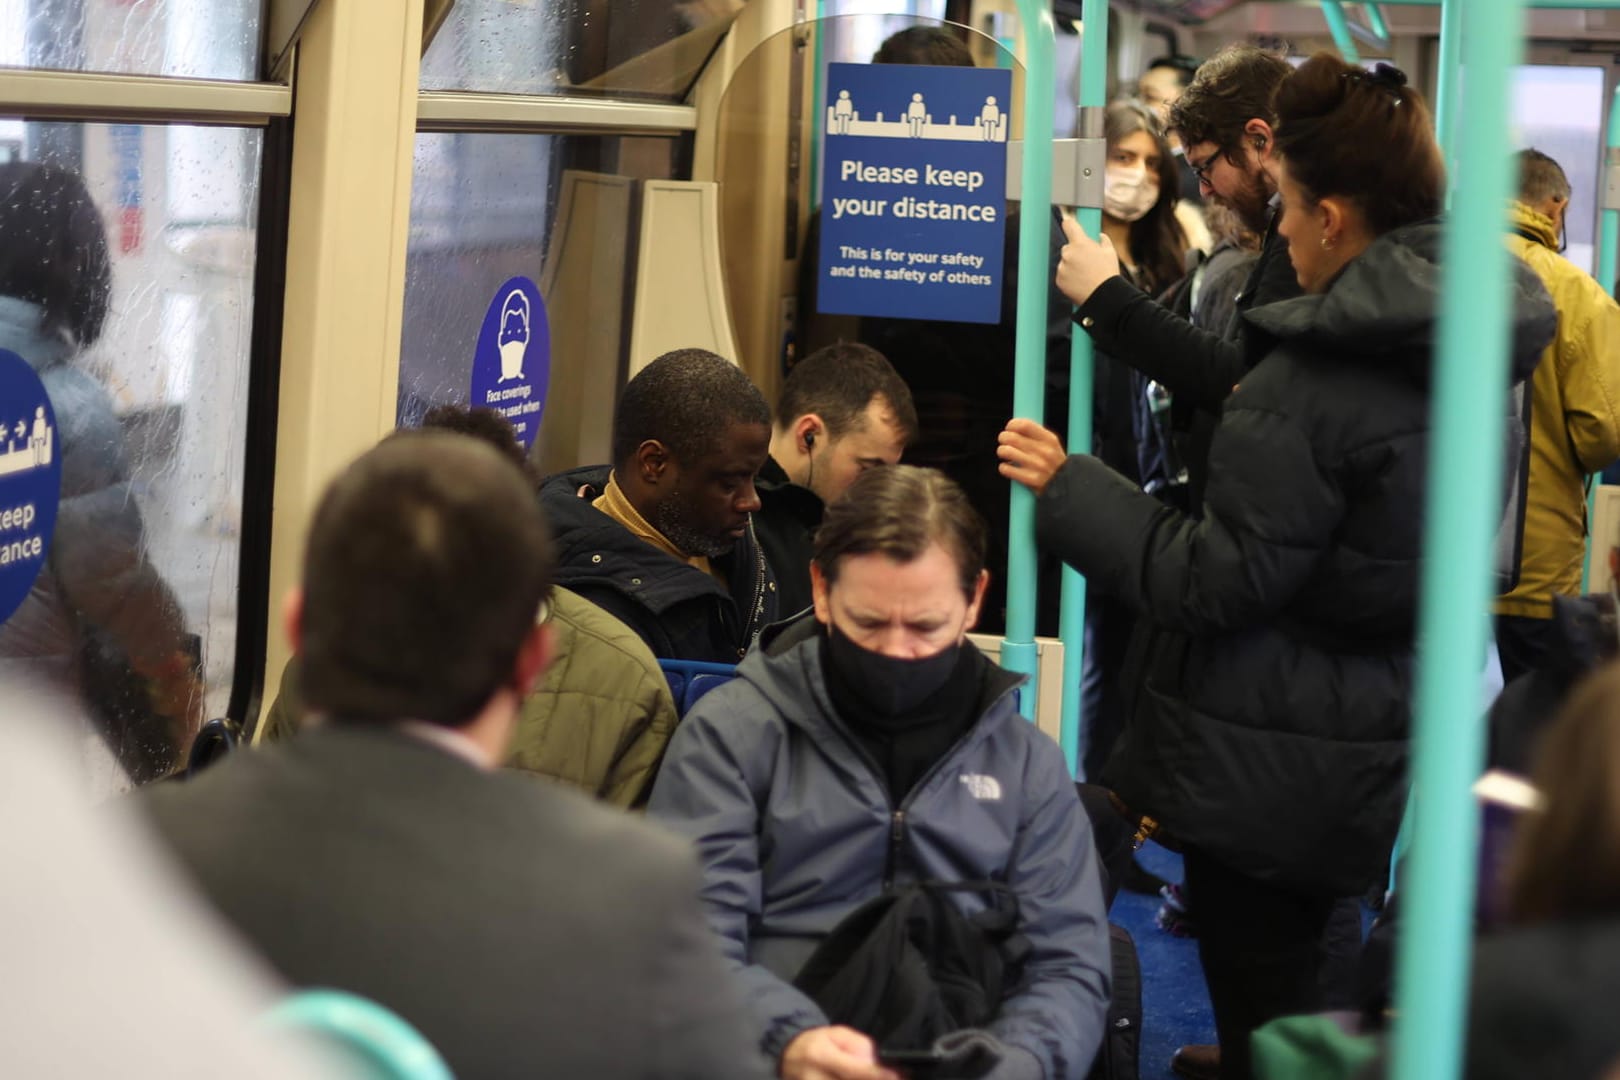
(615, 504)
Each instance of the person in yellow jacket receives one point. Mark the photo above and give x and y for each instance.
(1574, 419)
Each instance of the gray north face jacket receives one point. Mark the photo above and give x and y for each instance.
(795, 829)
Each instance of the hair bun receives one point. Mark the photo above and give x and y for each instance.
(1388, 76)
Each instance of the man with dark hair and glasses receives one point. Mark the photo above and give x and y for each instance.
(1225, 122)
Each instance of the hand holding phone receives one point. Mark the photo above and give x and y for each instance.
(914, 1064)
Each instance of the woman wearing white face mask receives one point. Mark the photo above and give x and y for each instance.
(1140, 192)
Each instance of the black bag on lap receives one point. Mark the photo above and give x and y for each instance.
(908, 967)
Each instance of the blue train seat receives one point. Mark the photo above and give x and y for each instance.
(691, 679)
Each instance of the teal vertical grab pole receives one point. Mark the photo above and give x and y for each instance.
(1029, 365)
(1072, 620)
(1609, 228)
(1461, 516)
(1376, 22)
(1339, 27)
(1608, 241)
(1448, 80)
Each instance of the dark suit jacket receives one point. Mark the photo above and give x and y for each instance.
(523, 930)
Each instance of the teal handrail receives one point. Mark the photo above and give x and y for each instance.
(372, 1042)
(1448, 81)
(1339, 27)
(1461, 516)
(1072, 616)
(1609, 223)
(1018, 651)
(1376, 22)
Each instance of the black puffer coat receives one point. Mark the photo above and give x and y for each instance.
(678, 610)
(1269, 728)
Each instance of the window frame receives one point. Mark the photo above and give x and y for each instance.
(33, 95)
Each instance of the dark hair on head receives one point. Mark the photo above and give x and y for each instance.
(1331, 115)
(901, 511)
(1541, 178)
(1232, 87)
(425, 567)
(1158, 244)
(688, 400)
(838, 383)
(1565, 861)
(482, 423)
(1185, 67)
(55, 249)
(924, 45)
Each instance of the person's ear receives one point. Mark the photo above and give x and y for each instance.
(978, 601)
(818, 595)
(653, 462)
(292, 619)
(1259, 136)
(807, 430)
(1332, 215)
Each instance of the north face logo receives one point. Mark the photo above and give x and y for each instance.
(983, 788)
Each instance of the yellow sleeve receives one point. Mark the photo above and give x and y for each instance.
(1589, 356)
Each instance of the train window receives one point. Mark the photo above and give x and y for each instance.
(151, 231)
(1559, 111)
(485, 207)
(650, 49)
(200, 39)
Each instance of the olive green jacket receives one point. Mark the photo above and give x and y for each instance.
(599, 720)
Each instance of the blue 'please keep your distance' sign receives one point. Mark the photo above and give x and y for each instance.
(914, 192)
(30, 479)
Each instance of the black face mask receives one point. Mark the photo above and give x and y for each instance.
(890, 685)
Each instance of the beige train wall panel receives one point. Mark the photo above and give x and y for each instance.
(680, 298)
(1048, 668)
(585, 286)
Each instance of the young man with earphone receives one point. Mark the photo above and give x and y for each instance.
(843, 410)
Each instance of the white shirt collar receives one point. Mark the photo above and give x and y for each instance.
(449, 740)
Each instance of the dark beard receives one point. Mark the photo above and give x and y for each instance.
(667, 520)
(1252, 204)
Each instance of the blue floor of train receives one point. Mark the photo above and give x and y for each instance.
(1175, 1005)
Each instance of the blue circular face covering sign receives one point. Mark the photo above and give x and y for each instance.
(30, 479)
(512, 367)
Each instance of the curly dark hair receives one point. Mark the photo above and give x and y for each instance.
(1232, 87)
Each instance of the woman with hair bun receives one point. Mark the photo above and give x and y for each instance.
(1269, 733)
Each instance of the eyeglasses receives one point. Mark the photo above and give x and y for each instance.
(1201, 171)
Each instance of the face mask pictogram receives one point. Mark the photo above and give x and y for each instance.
(514, 334)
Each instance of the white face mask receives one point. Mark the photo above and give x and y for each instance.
(1128, 191)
